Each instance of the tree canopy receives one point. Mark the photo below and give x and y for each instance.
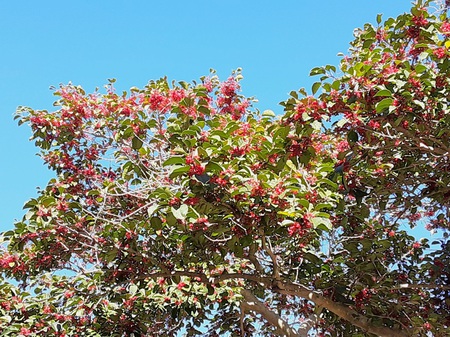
(179, 208)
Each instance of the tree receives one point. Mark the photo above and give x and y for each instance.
(177, 208)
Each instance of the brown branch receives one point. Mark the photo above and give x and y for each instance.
(252, 303)
(421, 286)
(211, 279)
(251, 256)
(273, 257)
(430, 149)
(340, 310)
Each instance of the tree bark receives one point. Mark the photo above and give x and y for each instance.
(252, 303)
(340, 310)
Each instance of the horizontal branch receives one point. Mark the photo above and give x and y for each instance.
(421, 286)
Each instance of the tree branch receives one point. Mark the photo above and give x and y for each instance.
(421, 286)
(340, 310)
(273, 257)
(253, 304)
(293, 289)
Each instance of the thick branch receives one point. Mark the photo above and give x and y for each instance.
(341, 310)
(252, 303)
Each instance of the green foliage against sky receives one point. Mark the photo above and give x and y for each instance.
(179, 208)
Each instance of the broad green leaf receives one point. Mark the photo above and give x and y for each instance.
(420, 68)
(175, 161)
(383, 92)
(352, 136)
(213, 167)
(136, 143)
(321, 223)
(179, 171)
(181, 212)
(384, 104)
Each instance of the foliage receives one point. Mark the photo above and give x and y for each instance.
(178, 208)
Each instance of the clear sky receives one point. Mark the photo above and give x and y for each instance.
(45, 43)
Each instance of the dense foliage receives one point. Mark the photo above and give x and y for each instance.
(180, 209)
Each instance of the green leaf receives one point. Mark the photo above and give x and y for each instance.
(384, 104)
(305, 203)
(336, 85)
(268, 113)
(420, 68)
(379, 16)
(312, 258)
(213, 167)
(317, 71)
(320, 206)
(174, 161)
(322, 223)
(136, 143)
(383, 92)
(328, 182)
(352, 136)
(30, 204)
(47, 201)
(316, 87)
(133, 289)
(179, 171)
(156, 223)
(181, 212)
(152, 209)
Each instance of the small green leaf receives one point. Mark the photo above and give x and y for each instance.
(268, 113)
(305, 203)
(136, 143)
(328, 182)
(316, 87)
(352, 136)
(379, 16)
(47, 201)
(156, 223)
(133, 289)
(336, 85)
(320, 206)
(317, 71)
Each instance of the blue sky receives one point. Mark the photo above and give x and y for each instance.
(45, 43)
